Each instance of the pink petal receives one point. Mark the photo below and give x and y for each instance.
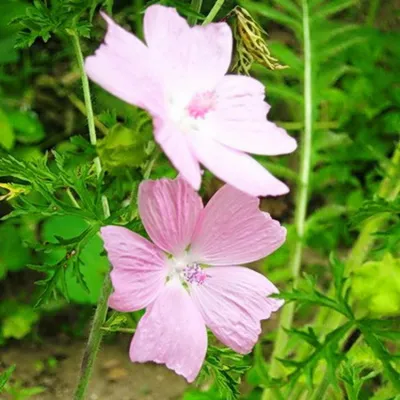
(232, 230)
(233, 301)
(235, 168)
(123, 66)
(214, 43)
(189, 58)
(139, 269)
(240, 122)
(175, 146)
(169, 210)
(172, 332)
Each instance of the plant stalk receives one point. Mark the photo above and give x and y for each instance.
(196, 6)
(286, 318)
(96, 334)
(213, 12)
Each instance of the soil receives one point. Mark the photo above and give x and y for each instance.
(54, 366)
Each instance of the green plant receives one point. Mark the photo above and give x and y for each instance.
(338, 332)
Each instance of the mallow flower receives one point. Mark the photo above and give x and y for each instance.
(200, 113)
(189, 277)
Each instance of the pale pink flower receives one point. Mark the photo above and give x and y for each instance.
(200, 114)
(170, 279)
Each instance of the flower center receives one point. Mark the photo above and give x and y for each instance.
(190, 115)
(186, 271)
(201, 104)
(194, 274)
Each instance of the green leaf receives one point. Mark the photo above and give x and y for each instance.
(384, 328)
(273, 14)
(374, 208)
(192, 395)
(324, 350)
(286, 56)
(334, 50)
(332, 7)
(14, 255)
(124, 147)
(339, 279)
(284, 92)
(7, 135)
(19, 323)
(85, 269)
(226, 368)
(308, 336)
(5, 376)
(27, 127)
(376, 285)
(290, 6)
(331, 31)
(381, 353)
(311, 296)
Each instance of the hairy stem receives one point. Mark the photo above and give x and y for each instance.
(196, 6)
(302, 197)
(214, 11)
(96, 334)
(81, 107)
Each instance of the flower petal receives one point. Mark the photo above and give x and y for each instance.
(177, 149)
(139, 269)
(123, 66)
(240, 122)
(169, 210)
(172, 332)
(232, 230)
(189, 58)
(233, 301)
(235, 168)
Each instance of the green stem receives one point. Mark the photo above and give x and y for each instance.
(196, 6)
(121, 330)
(81, 107)
(373, 9)
(87, 97)
(138, 7)
(150, 164)
(302, 197)
(214, 11)
(72, 198)
(96, 334)
(321, 391)
(93, 343)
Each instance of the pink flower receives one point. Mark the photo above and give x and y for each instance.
(200, 114)
(170, 279)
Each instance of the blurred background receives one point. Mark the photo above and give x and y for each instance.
(47, 295)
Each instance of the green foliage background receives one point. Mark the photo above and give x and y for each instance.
(344, 341)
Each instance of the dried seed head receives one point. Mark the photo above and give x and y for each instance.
(250, 44)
